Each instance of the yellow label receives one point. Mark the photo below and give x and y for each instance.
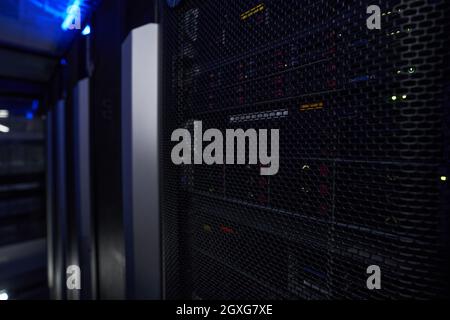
(251, 12)
(311, 106)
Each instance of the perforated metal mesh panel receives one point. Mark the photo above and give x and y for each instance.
(363, 145)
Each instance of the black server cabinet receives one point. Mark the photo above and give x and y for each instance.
(363, 119)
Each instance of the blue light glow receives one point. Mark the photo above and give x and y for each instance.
(53, 11)
(70, 16)
(29, 115)
(173, 3)
(35, 105)
(86, 30)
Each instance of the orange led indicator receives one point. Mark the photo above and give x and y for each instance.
(312, 106)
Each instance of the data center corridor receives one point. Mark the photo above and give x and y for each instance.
(118, 177)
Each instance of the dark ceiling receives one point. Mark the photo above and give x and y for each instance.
(34, 25)
(32, 43)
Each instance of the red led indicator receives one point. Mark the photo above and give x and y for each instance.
(225, 229)
(324, 170)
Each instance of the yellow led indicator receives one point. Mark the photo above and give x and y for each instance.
(251, 12)
(394, 98)
(443, 178)
(404, 96)
(311, 106)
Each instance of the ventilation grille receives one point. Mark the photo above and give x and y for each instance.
(363, 138)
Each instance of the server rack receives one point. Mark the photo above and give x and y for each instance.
(140, 162)
(363, 149)
(22, 208)
(57, 220)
